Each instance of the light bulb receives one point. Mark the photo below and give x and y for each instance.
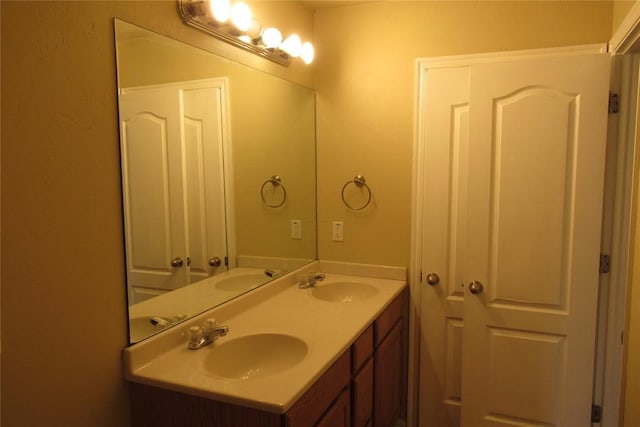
(255, 29)
(292, 45)
(245, 38)
(271, 37)
(241, 16)
(220, 9)
(307, 53)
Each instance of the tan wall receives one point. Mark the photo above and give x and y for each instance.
(63, 287)
(365, 77)
(620, 10)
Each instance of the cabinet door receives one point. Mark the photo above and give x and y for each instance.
(339, 415)
(362, 395)
(389, 390)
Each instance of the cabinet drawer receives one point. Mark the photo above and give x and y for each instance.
(389, 317)
(362, 349)
(308, 409)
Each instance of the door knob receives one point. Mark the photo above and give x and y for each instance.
(215, 262)
(476, 287)
(433, 279)
(177, 262)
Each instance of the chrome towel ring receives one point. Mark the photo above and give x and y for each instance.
(359, 181)
(276, 182)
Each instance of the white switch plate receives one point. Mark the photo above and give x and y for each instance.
(296, 229)
(337, 231)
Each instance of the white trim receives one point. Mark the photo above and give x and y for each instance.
(627, 33)
(422, 66)
(492, 57)
(621, 242)
(415, 261)
(217, 82)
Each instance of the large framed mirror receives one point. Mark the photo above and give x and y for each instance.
(218, 177)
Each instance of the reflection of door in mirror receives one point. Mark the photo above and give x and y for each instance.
(173, 183)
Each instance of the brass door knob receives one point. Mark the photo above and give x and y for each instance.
(433, 279)
(476, 287)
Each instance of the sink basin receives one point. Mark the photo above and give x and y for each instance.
(241, 282)
(344, 292)
(253, 356)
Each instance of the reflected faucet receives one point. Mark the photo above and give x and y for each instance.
(161, 322)
(311, 279)
(273, 273)
(200, 336)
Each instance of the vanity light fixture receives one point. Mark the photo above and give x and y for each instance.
(234, 24)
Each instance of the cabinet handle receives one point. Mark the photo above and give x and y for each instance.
(177, 262)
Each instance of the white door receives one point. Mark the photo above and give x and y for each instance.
(153, 188)
(446, 122)
(173, 147)
(205, 181)
(520, 351)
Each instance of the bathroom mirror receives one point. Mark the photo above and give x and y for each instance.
(218, 177)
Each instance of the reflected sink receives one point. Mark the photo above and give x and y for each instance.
(253, 356)
(344, 292)
(241, 282)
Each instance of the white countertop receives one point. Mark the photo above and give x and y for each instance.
(327, 328)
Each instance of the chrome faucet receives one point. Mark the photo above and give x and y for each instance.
(200, 336)
(311, 280)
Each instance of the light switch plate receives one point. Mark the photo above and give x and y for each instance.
(296, 229)
(337, 231)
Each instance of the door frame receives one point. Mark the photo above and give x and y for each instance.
(613, 349)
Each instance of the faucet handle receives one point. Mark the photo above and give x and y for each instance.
(209, 325)
(195, 334)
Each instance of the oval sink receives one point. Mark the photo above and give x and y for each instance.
(241, 282)
(344, 292)
(254, 356)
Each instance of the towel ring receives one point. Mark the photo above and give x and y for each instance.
(276, 182)
(359, 181)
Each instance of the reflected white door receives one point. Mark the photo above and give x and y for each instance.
(174, 187)
(521, 350)
(205, 181)
(151, 135)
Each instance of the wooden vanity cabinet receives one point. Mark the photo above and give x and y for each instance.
(365, 387)
(362, 380)
(390, 367)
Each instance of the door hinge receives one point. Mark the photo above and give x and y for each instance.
(605, 264)
(596, 413)
(614, 103)
(226, 261)
(420, 279)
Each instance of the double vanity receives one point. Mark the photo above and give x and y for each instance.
(329, 353)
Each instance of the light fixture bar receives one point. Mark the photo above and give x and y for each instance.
(191, 13)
